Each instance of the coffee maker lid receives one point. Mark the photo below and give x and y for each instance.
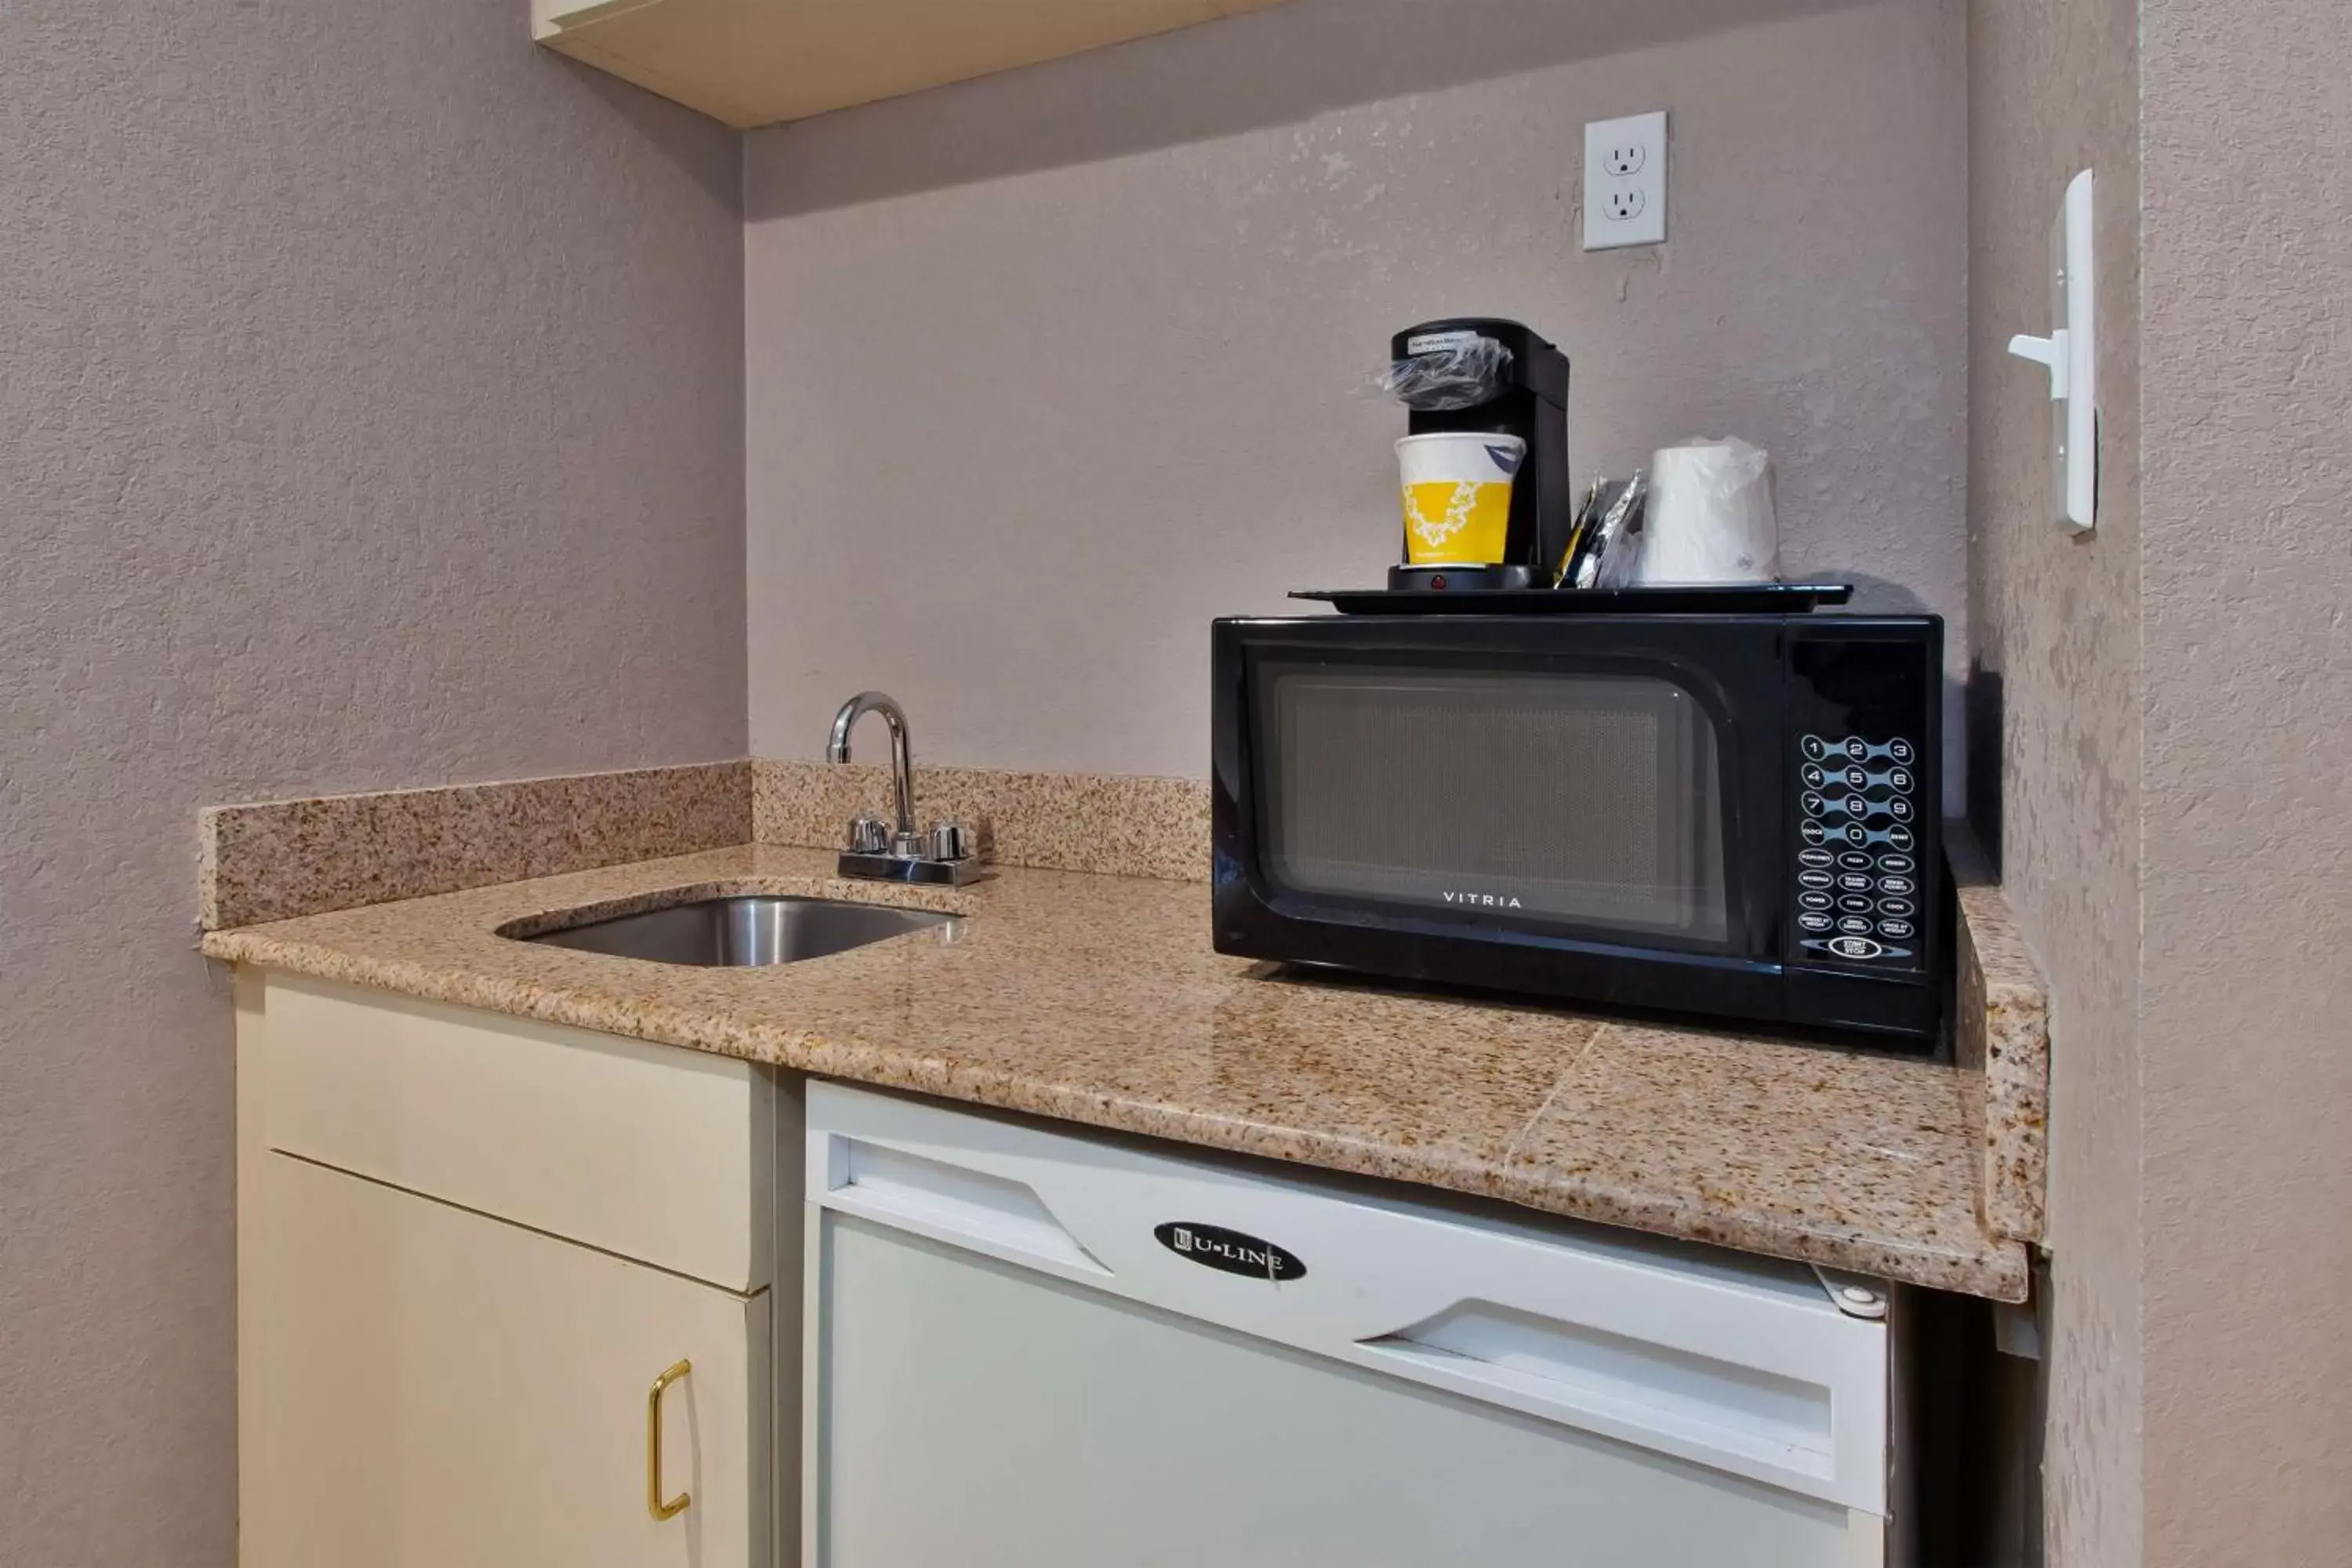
(1535, 364)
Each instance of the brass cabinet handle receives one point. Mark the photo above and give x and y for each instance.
(654, 1504)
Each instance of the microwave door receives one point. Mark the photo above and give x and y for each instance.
(1587, 800)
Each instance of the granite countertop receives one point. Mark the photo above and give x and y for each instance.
(1097, 999)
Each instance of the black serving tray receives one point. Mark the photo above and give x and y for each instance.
(1696, 599)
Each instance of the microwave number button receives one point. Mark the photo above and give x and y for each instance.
(1857, 749)
(1900, 749)
(1857, 778)
(1814, 748)
(1813, 776)
(1899, 779)
(1899, 808)
(1857, 835)
(1813, 803)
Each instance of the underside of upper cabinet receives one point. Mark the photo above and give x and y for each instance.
(756, 62)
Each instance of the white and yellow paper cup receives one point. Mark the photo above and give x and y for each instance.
(1457, 496)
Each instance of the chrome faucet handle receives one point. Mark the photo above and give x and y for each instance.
(946, 856)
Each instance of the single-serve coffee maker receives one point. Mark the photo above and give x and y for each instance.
(1481, 513)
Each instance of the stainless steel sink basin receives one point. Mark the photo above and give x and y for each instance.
(746, 930)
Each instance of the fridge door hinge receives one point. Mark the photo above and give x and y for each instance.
(2015, 1329)
(1853, 1294)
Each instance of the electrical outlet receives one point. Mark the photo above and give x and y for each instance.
(1626, 181)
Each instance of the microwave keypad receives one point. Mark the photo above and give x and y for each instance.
(1857, 892)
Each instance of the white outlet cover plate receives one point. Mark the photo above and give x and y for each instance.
(1626, 181)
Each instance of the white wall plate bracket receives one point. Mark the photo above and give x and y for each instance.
(2071, 353)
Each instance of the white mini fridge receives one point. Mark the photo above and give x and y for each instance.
(1032, 1348)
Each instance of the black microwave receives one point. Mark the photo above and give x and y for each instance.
(1731, 815)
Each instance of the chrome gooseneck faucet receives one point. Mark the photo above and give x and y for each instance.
(899, 851)
(902, 754)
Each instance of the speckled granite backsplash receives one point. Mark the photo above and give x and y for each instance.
(273, 860)
(1122, 825)
(277, 859)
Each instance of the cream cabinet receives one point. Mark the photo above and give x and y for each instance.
(757, 62)
(507, 1292)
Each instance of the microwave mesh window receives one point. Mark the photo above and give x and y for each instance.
(1587, 801)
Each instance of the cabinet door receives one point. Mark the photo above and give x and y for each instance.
(438, 1389)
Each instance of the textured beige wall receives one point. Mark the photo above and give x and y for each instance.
(371, 416)
(2177, 695)
(1047, 371)
(2247, 887)
(2054, 89)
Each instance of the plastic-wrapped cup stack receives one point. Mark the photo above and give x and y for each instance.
(1710, 516)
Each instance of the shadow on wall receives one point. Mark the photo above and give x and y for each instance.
(680, 134)
(1275, 66)
(1961, 700)
(1985, 698)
